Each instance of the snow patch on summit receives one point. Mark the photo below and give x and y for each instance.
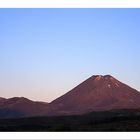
(109, 85)
(98, 77)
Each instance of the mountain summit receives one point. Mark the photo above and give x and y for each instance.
(97, 93)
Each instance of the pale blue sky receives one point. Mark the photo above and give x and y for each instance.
(46, 52)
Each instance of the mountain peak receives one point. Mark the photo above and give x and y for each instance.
(108, 76)
(97, 77)
(104, 81)
(103, 77)
(1, 98)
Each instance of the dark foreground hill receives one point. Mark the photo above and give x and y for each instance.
(115, 120)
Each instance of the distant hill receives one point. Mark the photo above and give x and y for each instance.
(20, 107)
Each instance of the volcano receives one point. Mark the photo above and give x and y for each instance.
(98, 93)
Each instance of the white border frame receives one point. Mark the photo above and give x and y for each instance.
(71, 135)
(69, 3)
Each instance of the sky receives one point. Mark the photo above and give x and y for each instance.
(44, 53)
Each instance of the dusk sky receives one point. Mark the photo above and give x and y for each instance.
(46, 52)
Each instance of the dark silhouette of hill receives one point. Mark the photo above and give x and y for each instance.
(104, 121)
(20, 107)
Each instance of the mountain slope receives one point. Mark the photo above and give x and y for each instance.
(98, 93)
(21, 107)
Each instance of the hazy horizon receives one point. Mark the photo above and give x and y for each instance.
(45, 53)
